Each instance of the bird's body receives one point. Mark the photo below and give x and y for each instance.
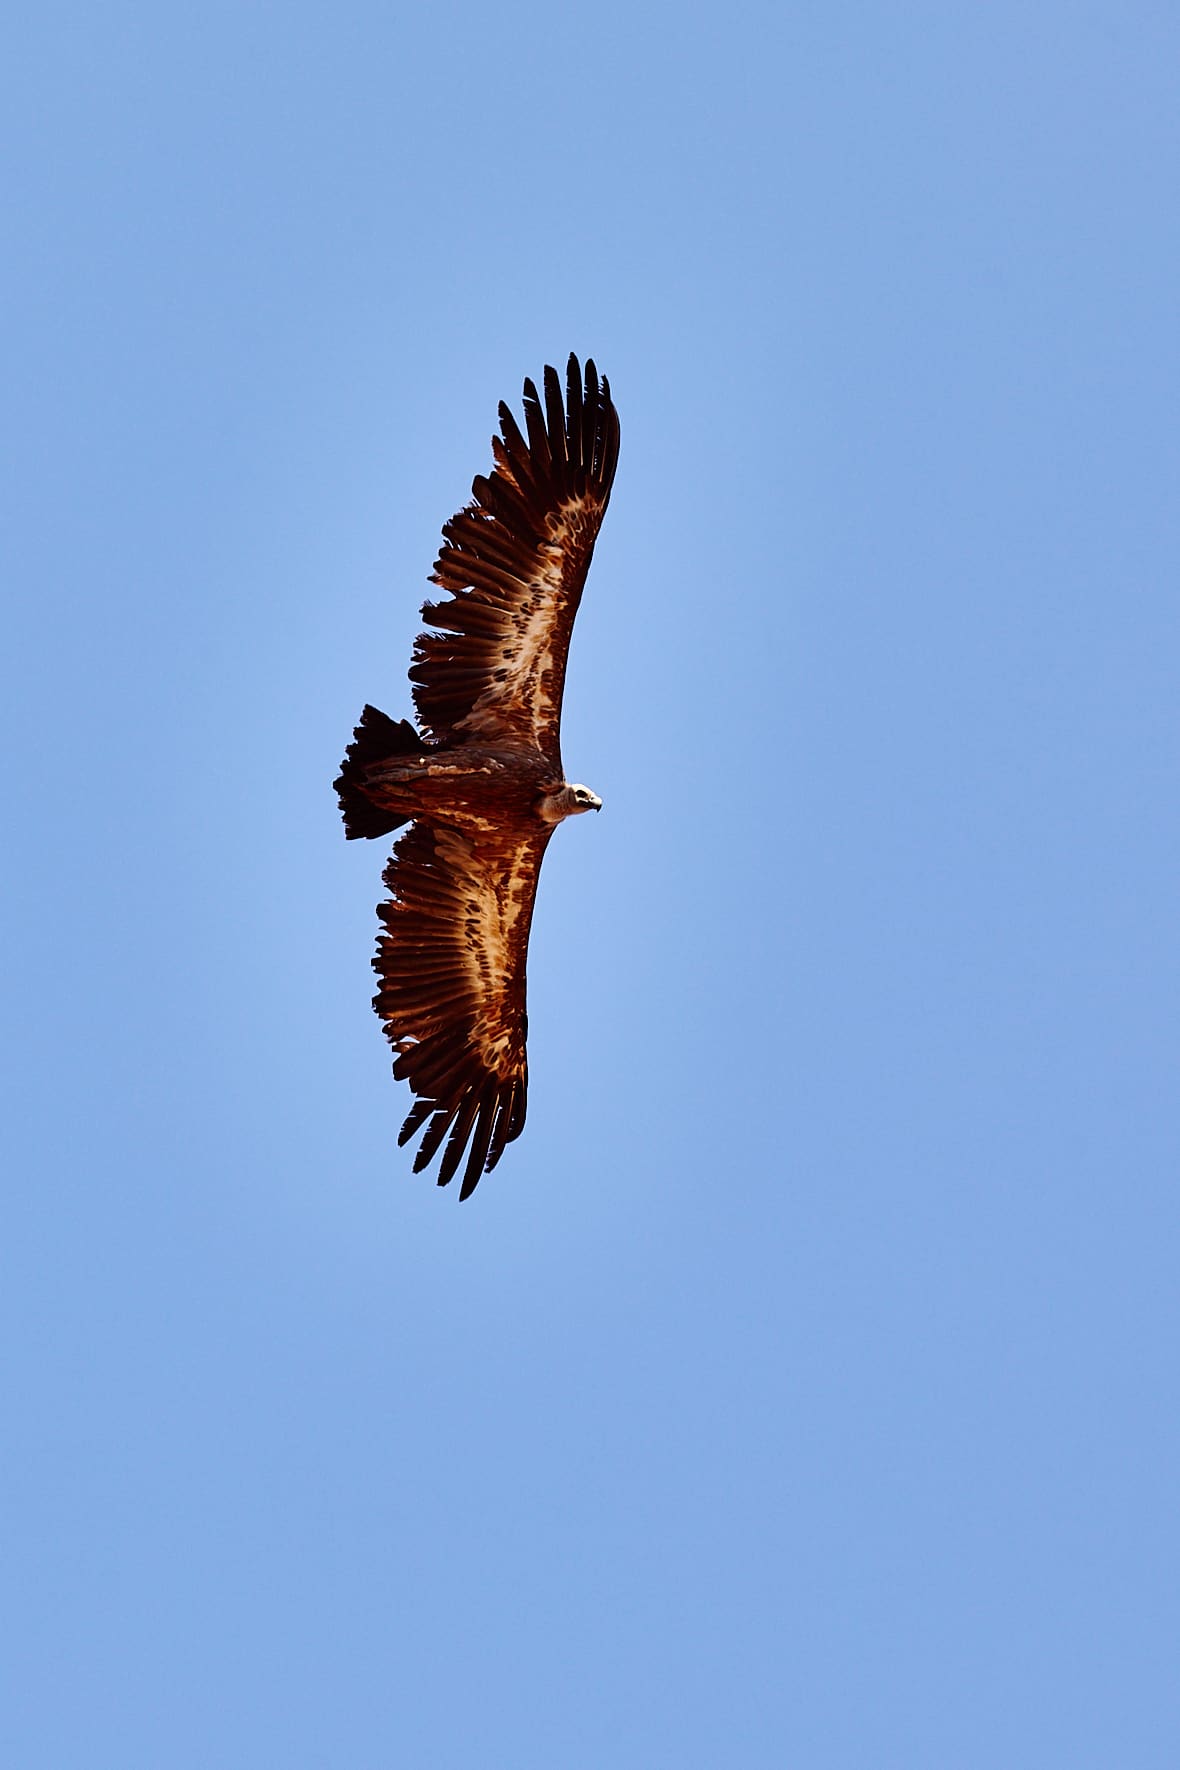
(479, 787)
(482, 783)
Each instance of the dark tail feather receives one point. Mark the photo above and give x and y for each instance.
(376, 739)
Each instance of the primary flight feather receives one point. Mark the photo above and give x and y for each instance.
(480, 780)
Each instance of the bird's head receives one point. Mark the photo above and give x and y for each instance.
(583, 799)
(567, 801)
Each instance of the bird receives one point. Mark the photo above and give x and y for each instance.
(479, 779)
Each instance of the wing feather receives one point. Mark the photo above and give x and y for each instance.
(534, 423)
(481, 1141)
(574, 422)
(555, 427)
(514, 563)
(451, 961)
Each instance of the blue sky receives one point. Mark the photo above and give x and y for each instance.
(801, 1389)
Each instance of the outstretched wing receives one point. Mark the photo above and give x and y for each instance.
(514, 562)
(452, 966)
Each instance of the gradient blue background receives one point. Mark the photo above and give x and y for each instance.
(802, 1389)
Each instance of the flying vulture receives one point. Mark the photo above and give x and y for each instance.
(480, 781)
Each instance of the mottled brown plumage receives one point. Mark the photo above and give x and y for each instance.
(482, 781)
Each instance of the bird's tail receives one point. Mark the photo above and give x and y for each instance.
(376, 739)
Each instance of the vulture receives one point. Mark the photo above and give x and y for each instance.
(479, 778)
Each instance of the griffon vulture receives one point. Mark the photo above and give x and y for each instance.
(480, 780)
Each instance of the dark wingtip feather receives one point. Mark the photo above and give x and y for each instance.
(480, 1141)
(415, 1118)
(457, 1141)
(573, 413)
(436, 1130)
(555, 420)
(534, 419)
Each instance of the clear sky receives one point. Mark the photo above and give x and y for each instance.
(802, 1389)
